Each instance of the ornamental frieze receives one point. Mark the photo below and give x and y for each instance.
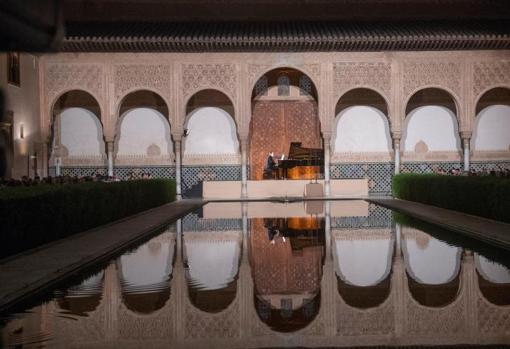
(488, 74)
(65, 77)
(348, 75)
(127, 77)
(202, 76)
(423, 74)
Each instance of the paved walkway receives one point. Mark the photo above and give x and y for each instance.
(32, 272)
(490, 231)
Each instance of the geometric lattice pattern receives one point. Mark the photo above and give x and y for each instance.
(192, 222)
(492, 165)
(124, 172)
(83, 171)
(378, 217)
(429, 167)
(195, 175)
(379, 175)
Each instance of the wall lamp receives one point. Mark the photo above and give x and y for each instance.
(21, 131)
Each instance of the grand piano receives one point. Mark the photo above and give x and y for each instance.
(302, 163)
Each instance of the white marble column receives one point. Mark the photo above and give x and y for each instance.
(465, 143)
(178, 169)
(109, 155)
(327, 159)
(396, 150)
(244, 168)
(58, 146)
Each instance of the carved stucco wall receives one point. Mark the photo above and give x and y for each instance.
(176, 77)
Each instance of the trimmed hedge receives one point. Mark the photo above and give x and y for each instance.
(483, 196)
(31, 216)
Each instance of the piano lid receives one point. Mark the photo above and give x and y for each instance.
(297, 152)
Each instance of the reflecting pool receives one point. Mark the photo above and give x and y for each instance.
(263, 274)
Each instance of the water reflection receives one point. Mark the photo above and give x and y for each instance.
(338, 274)
(145, 274)
(286, 261)
(212, 260)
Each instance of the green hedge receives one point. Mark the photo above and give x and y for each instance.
(483, 196)
(31, 216)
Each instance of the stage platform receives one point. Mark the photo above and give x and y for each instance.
(266, 189)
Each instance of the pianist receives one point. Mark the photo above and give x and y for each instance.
(270, 166)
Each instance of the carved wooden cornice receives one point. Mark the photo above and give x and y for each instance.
(287, 36)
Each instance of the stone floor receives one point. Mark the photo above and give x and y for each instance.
(492, 232)
(31, 272)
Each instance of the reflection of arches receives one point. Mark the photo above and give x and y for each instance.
(363, 266)
(76, 116)
(83, 298)
(431, 122)
(145, 274)
(432, 268)
(211, 124)
(363, 258)
(493, 280)
(364, 297)
(287, 273)
(492, 123)
(362, 123)
(434, 295)
(282, 116)
(212, 261)
(434, 263)
(287, 313)
(143, 125)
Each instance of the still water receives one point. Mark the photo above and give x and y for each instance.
(336, 274)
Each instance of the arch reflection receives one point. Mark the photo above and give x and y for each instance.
(363, 265)
(286, 258)
(432, 267)
(212, 260)
(83, 298)
(145, 274)
(493, 280)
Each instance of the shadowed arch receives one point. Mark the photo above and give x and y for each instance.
(277, 120)
(492, 95)
(147, 113)
(354, 111)
(301, 70)
(492, 121)
(430, 103)
(78, 100)
(217, 130)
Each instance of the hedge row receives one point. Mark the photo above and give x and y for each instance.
(31, 216)
(483, 196)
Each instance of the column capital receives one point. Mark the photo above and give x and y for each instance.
(243, 139)
(466, 135)
(396, 136)
(326, 135)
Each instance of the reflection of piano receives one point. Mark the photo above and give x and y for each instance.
(302, 163)
(302, 231)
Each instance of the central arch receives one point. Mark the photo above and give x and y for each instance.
(284, 110)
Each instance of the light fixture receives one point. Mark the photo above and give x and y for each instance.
(21, 131)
